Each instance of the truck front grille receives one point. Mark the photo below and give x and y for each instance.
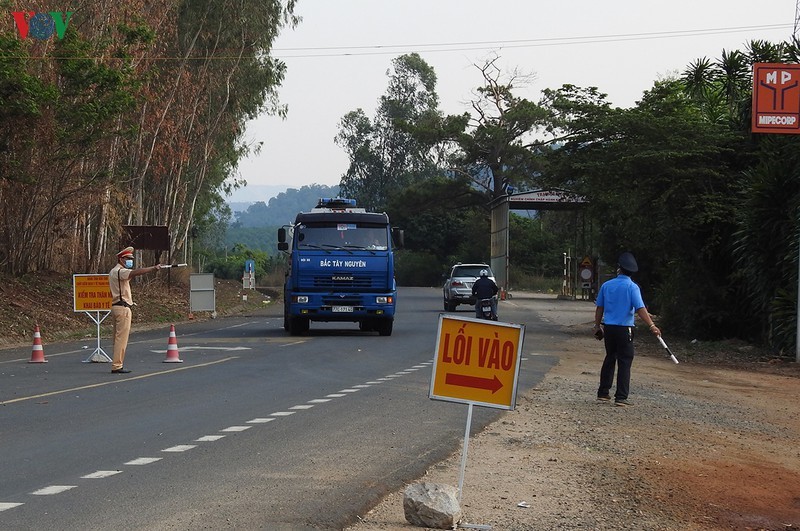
(342, 282)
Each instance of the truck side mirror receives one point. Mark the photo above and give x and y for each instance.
(398, 237)
(281, 235)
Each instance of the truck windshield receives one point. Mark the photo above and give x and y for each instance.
(341, 236)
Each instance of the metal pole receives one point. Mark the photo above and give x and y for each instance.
(464, 453)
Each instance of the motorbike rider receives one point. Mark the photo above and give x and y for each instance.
(485, 288)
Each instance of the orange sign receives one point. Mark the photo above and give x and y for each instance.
(90, 293)
(477, 362)
(776, 98)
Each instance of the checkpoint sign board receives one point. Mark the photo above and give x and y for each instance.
(477, 362)
(90, 293)
(776, 98)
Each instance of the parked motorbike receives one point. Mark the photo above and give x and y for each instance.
(487, 311)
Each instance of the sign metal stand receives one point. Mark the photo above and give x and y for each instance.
(99, 355)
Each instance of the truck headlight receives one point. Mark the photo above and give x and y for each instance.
(302, 299)
(384, 299)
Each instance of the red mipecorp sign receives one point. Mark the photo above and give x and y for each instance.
(776, 98)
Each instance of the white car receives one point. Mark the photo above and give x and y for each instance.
(458, 286)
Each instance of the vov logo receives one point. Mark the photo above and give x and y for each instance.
(41, 26)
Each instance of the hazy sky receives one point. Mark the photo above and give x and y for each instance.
(338, 56)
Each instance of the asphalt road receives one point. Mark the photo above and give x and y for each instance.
(255, 429)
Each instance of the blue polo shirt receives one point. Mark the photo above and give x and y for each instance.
(620, 298)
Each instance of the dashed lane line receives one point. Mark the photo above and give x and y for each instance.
(101, 474)
(53, 489)
(143, 461)
(180, 448)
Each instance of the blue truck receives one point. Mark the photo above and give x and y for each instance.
(341, 267)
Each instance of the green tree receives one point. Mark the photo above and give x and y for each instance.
(659, 178)
(499, 147)
(402, 145)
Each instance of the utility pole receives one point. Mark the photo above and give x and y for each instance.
(796, 19)
(796, 39)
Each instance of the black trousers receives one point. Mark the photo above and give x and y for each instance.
(619, 356)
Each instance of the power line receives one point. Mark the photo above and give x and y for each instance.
(379, 49)
(385, 49)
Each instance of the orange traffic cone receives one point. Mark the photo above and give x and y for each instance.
(172, 347)
(37, 356)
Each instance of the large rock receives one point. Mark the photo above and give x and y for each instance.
(432, 505)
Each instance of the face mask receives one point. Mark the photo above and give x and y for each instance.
(129, 263)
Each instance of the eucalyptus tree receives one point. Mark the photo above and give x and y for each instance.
(220, 75)
(136, 116)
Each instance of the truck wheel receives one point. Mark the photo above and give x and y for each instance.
(298, 326)
(385, 327)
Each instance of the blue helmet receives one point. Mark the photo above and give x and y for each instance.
(627, 262)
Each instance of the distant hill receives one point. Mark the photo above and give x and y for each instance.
(255, 192)
(282, 208)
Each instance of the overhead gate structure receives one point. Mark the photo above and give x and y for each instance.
(533, 200)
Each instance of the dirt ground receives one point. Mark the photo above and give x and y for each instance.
(703, 447)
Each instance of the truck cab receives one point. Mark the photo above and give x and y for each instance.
(341, 268)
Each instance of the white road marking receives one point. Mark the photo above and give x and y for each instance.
(374, 383)
(360, 386)
(143, 460)
(209, 438)
(349, 390)
(53, 489)
(336, 395)
(283, 413)
(384, 379)
(259, 421)
(4, 506)
(302, 406)
(180, 448)
(291, 344)
(412, 369)
(100, 474)
(236, 428)
(185, 349)
(418, 366)
(319, 400)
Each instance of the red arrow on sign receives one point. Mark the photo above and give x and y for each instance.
(475, 382)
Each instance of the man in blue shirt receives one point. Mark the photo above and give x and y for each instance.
(617, 302)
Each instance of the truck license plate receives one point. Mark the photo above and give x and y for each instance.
(342, 309)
